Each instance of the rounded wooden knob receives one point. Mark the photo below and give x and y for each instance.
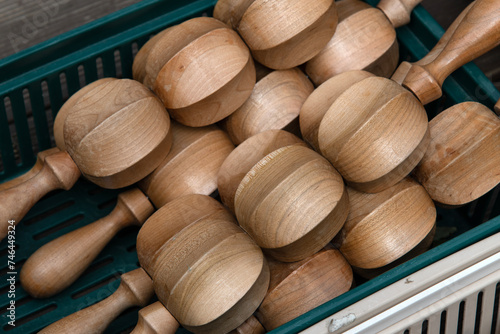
(364, 40)
(497, 107)
(374, 134)
(170, 219)
(383, 227)
(117, 133)
(292, 203)
(211, 261)
(298, 287)
(239, 162)
(316, 105)
(66, 108)
(191, 166)
(281, 34)
(274, 104)
(462, 162)
(200, 69)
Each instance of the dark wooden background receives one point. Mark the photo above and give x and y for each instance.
(24, 23)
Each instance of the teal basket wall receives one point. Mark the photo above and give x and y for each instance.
(36, 82)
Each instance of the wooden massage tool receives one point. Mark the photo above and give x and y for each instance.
(96, 146)
(191, 166)
(135, 289)
(200, 69)
(376, 131)
(206, 270)
(281, 34)
(274, 104)
(365, 39)
(462, 162)
(294, 289)
(383, 227)
(286, 196)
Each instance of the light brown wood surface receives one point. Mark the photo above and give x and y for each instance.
(58, 172)
(211, 276)
(117, 133)
(205, 76)
(40, 158)
(162, 47)
(462, 162)
(136, 289)
(374, 134)
(383, 227)
(274, 104)
(292, 203)
(155, 319)
(239, 162)
(364, 40)
(405, 66)
(317, 104)
(170, 219)
(477, 33)
(191, 166)
(283, 34)
(57, 264)
(298, 287)
(251, 326)
(398, 11)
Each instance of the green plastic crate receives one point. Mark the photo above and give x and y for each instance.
(36, 82)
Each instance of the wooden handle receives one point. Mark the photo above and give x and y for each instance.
(58, 172)
(59, 263)
(40, 158)
(155, 319)
(403, 68)
(398, 11)
(251, 326)
(478, 33)
(136, 289)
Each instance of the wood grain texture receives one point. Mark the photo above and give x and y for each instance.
(170, 219)
(364, 40)
(317, 104)
(292, 203)
(374, 134)
(246, 155)
(477, 33)
(275, 103)
(298, 287)
(155, 319)
(403, 68)
(191, 166)
(398, 11)
(208, 79)
(462, 162)
(58, 172)
(211, 276)
(94, 133)
(136, 289)
(59, 263)
(162, 47)
(231, 11)
(383, 227)
(251, 326)
(286, 34)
